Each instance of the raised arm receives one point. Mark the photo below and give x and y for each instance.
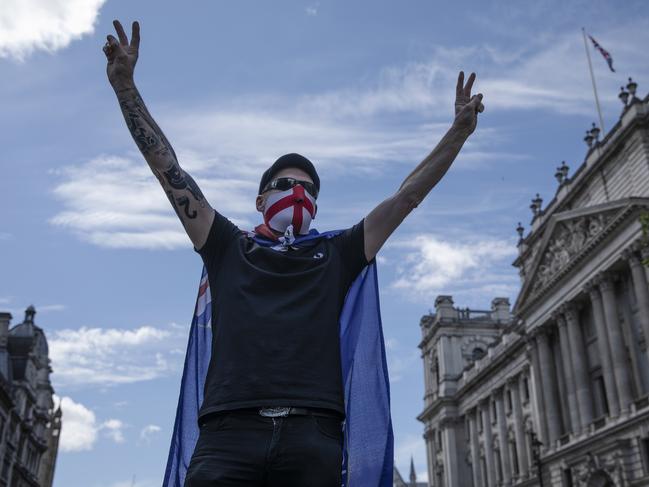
(386, 217)
(188, 201)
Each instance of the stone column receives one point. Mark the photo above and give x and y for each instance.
(644, 255)
(641, 291)
(579, 366)
(428, 386)
(539, 402)
(475, 448)
(488, 444)
(429, 436)
(450, 451)
(603, 347)
(618, 349)
(549, 383)
(519, 427)
(568, 373)
(502, 435)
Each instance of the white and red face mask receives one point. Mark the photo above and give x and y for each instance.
(291, 207)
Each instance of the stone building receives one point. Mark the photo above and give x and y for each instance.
(555, 392)
(29, 425)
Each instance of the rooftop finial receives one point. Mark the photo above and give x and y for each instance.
(562, 173)
(632, 86)
(536, 205)
(594, 131)
(29, 314)
(520, 231)
(623, 96)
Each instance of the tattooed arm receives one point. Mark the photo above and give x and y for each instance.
(188, 201)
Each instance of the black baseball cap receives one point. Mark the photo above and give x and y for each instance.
(290, 160)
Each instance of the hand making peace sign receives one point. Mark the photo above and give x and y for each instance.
(121, 55)
(467, 107)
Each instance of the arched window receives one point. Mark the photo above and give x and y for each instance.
(477, 353)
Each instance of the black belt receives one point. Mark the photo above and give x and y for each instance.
(277, 412)
(280, 412)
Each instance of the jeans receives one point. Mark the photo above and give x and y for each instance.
(244, 449)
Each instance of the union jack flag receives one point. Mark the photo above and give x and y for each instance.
(604, 52)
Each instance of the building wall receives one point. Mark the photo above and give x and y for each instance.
(29, 424)
(562, 391)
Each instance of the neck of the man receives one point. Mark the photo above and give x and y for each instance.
(268, 232)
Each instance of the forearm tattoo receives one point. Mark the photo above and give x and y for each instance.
(158, 152)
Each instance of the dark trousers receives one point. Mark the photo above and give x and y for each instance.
(241, 448)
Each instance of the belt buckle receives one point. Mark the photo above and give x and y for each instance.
(278, 412)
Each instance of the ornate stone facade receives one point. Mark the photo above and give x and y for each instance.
(555, 392)
(29, 424)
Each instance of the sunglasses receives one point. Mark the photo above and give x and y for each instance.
(283, 184)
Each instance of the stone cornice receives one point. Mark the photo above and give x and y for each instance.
(583, 171)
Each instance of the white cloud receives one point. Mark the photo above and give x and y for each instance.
(550, 75)
(360, 130)
(6, 236)
(148, 432)
(51, 307)
(117, 202)
(312, 10)
(435, 265)
(113, 430)
(49, 25)
(96, 356)
(79, 428)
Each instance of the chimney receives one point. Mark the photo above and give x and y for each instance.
(444, 309)
(500, 310)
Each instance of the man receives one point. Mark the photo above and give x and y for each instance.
(273, 399)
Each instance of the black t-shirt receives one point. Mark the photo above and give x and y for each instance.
(275, 330)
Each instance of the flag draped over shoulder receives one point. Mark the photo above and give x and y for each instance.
(604, 53)
(368, 449)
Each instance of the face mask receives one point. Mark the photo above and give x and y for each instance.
(291, 207)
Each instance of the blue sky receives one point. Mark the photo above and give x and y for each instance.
(364, 89)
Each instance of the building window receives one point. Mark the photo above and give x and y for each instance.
(567, 477)
(5, 468)
(499, 466)
(601, 404)
(480, 424)
(509, 403)
(494, 416)
(439, 439)
(483, 467)
(526, 390)
(512, 450)
(477, 353)
(645, 453)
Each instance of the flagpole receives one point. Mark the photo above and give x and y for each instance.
(592, 78)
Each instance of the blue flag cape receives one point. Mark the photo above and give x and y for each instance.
(368, 450)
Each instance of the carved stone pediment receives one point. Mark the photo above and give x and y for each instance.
(568, 238)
